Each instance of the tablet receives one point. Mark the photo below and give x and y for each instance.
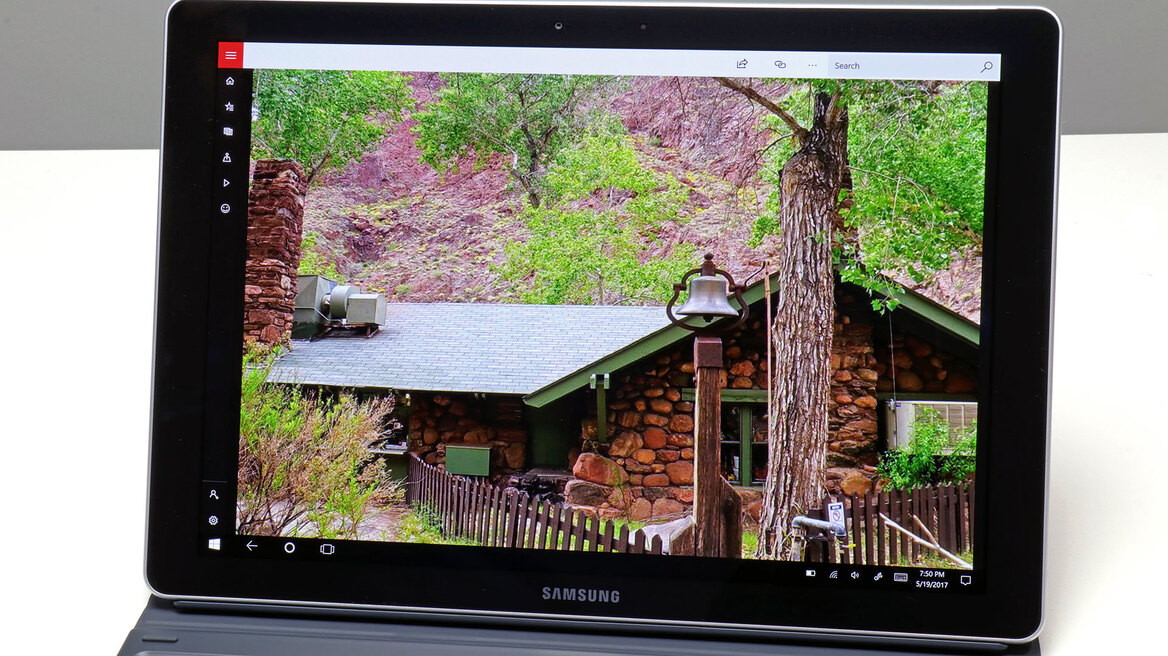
(726, 318)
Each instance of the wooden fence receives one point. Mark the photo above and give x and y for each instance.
(947, 511)
(498, 517)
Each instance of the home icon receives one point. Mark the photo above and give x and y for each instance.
(230, 82)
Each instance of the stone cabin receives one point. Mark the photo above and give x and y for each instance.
(600, 397)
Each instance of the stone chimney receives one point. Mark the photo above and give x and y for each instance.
(275, 221)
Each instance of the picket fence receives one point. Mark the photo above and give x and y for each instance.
(947, 512)
(506, 517)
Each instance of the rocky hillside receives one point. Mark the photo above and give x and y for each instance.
(393, 224)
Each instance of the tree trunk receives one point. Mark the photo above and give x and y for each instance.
(810, 186)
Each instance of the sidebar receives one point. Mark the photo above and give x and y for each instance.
(227, 214)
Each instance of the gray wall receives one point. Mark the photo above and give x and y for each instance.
(87, 73)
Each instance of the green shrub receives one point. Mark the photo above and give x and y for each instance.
(304, 467)
(314, 259)
(924, 461)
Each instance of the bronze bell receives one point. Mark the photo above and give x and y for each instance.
(708, 298)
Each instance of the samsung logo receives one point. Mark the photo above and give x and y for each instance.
(582, 594)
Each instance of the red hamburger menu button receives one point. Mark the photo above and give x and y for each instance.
(230, 54)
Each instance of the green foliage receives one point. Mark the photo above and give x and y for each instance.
(324, 119)
(421, 525)
(314, 259)
(304, 468)
(592, 242)
(766, 224)
(918, 164)
(924, 460)
(526, 118)
(917, 157)
(749, 544)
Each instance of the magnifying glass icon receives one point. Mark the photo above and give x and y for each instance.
(988, 66)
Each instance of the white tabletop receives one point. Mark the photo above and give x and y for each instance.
(77, 238)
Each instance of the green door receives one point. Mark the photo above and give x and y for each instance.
(552, 431)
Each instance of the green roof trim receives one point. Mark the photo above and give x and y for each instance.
(940, 316)
(730, 395)
(931, 312)
(646, 346)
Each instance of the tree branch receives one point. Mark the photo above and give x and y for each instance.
(799, 131)
(926, 543)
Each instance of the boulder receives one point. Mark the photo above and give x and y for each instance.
(663, 507)
(856, 483)
(644, 456)
(681, 423)
(655, 420)
(680, 472)
(655, 480)
(515, 455)
(624, 445)
(654, 438)
(866, 402)
(668, 455)
(640, 509)
(655, 493)
(959, 382)
(628, 419)
(661, 405)
(741, 382)
(586, 493)
(744, 368)
(753, 510)
(918, 348)
(908, 381)
(596, 468)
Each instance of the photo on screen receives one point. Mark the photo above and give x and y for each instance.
(456, 326)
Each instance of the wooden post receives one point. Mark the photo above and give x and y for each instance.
(707, 445)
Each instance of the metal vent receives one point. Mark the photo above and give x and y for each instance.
(900, 415)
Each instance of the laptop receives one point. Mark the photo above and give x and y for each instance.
(565, 329)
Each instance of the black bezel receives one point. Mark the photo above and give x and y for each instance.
(197, 345)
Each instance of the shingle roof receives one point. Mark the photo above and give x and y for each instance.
(469, 347)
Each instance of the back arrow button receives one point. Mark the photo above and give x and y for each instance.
(251, 545)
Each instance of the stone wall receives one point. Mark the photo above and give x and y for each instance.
(646, 467)
(909, 363)
(275, 210)
(437, 420)
(853, 442)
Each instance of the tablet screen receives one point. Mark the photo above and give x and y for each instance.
(461, 266)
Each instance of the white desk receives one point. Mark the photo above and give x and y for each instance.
(77, 238)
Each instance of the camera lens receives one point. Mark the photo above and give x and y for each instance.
(559, 26)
